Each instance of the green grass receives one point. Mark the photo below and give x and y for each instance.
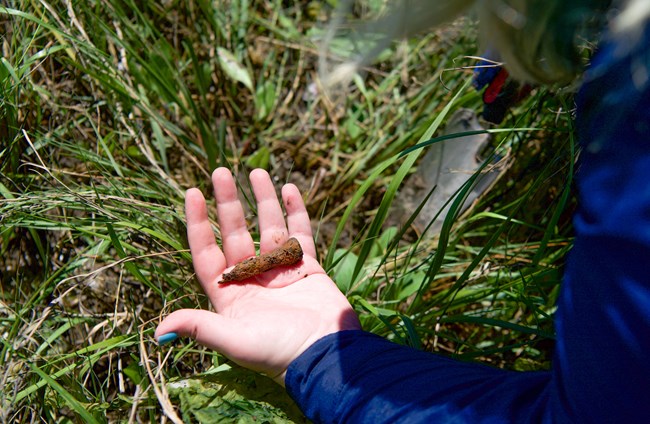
(110, 109)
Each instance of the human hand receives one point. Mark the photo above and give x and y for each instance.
(267, 321)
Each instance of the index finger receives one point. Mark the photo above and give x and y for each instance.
(208, 260)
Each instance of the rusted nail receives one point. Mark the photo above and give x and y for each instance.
(290, 253)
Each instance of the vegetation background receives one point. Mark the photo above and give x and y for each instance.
(110, 109)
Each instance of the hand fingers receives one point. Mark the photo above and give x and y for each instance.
(273, 229)
(298, 219)
(208, 259)
(237, 241)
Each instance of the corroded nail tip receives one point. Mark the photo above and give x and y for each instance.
(167, 338)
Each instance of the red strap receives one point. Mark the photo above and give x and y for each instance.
(494, 88)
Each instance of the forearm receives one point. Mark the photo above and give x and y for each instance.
(354, 376)
(601, 368)
(603, 317)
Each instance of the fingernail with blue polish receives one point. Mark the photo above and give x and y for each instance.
(167, 338)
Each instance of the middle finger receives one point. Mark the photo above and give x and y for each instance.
(237, 241)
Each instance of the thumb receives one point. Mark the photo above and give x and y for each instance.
(228, 336)
(208, 328)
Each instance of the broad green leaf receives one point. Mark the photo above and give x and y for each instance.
(259, 159)
(234, 396)
(343, 272)
(233, 68)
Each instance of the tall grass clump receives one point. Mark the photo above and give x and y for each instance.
(110, 110)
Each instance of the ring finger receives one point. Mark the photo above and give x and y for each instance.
(273, 228)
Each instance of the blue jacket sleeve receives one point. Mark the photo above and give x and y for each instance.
(357, 377)
(602, 357)
(601, 366)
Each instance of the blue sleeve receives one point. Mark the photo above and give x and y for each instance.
(357, 377)
(602, 358)
(601, 366)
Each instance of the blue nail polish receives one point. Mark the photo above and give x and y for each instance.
(167, 338)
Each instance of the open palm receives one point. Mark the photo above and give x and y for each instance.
(265, 322)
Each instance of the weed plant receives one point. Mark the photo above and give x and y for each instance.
(110, 109)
